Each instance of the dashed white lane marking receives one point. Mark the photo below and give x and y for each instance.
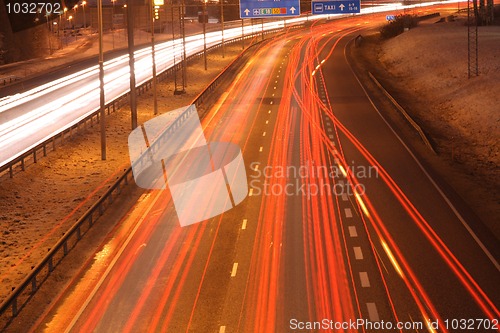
(348, 212)
(271, 102)
(260, 149)
(365, 282)
(352, 231)
(372, 312)
(358, 254)
(272, 95)
(235, 268)
(344, 197)
(264, 134)
(250, 193)
(274, 87)
(222, 329)
(269, 111)
(256, 168)
(330, 136)
(276, 81)
(267, 122)
(329, 129)
(244, 224)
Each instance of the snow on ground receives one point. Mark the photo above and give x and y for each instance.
(461, 115)
(38, 205)
(433, 62)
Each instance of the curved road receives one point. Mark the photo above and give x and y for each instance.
(342, 224)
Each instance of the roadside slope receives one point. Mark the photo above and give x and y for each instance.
(425, 69)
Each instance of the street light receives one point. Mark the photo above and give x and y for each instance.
(49, 26)
(65, 10)
(222, 23)
(70, 19)
(131, 63)
(75, 7)
(84, 17)
(154, 12)
(101, 81)
(113, 22)
(204, 33)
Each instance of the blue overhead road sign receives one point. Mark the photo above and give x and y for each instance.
(266, 8)
(336, 7)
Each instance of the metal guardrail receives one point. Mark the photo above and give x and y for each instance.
(404, 113)
(9, 79)
(428, 16)
(27, 288)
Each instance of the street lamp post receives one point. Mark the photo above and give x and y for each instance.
(204, 33)
(113, 23)
(242, 34)
(59, 27)
(76, 9)
(65, 10)
(153, 14)
(101, 81)
(70, 18)
(222, 22)
(125, 31)
(262, 27)
(84, 16)
(49, 26)
(131, 63)
(182, 16)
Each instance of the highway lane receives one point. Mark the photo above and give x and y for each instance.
(290, 255)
